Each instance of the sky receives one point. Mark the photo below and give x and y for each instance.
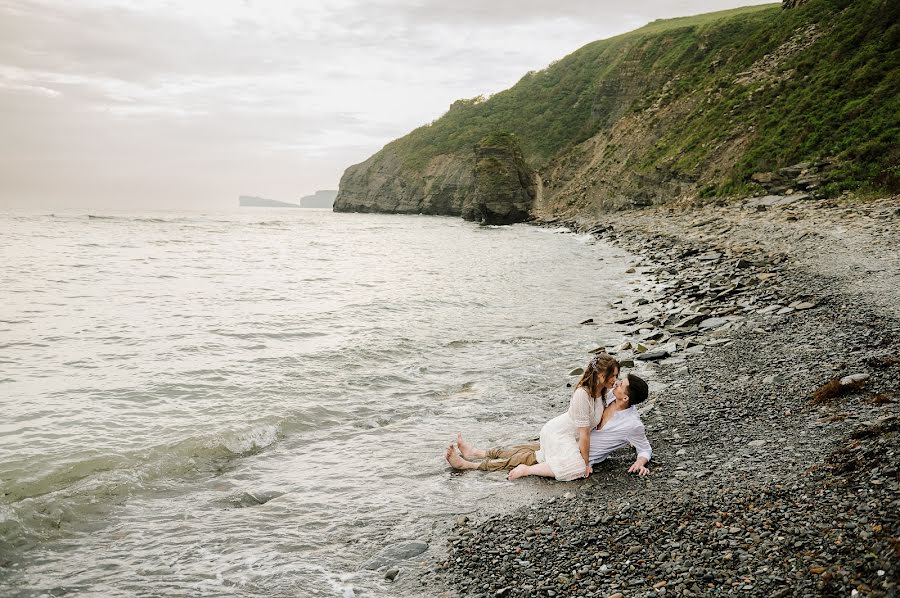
(190, 103)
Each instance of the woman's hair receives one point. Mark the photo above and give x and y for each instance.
(596, 372)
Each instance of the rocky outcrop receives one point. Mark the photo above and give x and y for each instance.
(804, 176)
(504, 184)
(384, 184)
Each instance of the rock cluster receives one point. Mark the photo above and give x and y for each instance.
(804, 176)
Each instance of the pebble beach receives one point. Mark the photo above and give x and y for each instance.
(773, 327)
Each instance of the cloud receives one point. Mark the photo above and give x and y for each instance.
(99, 97)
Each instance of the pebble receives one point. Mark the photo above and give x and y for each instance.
(713, 322)
(652, 355)
(854, 379)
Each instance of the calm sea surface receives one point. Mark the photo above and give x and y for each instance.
(256, 402)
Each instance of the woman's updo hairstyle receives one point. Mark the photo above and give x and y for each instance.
(597, 371)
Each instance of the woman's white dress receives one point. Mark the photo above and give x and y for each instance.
(559, 436)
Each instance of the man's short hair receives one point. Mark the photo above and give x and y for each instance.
(637, 390)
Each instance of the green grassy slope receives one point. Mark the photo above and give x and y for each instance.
(837, 97)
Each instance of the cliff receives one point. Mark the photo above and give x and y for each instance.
(800, 96)
(319, 199)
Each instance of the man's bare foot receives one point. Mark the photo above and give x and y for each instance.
(468, 452)
(517, 472)
(457, 462)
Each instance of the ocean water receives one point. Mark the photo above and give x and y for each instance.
(256, 402)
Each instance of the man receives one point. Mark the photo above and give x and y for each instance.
(620, 425)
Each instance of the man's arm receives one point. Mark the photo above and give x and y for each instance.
(638, 466)
(638, 439)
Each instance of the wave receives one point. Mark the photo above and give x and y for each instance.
(36, 508)
(276, 223)
(457, 344)
(272, 335)
(152, 219)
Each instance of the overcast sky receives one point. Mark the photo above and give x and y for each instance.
(189, 103)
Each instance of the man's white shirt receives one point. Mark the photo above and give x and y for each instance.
(624, 428)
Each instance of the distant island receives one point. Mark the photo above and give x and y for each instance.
(248, 201)
(320, 199)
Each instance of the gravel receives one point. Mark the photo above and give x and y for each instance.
(756, 489)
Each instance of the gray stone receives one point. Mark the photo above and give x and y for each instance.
(391, 574)
(653, 355)
(854, 379)
(756, 443)
(576, 372)
(713, 323)
(718, 342)
(774, 201)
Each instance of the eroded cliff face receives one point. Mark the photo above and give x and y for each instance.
(605, 173)
(383, 184)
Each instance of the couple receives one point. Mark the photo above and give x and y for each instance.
(600, 419)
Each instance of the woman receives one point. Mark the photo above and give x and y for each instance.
(565, 440)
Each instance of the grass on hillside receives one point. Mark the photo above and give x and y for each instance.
(837, 98)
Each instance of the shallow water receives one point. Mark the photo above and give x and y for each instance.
(256, 402)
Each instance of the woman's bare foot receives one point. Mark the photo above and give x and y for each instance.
(468, 451)
(517, 472)
(457, 462)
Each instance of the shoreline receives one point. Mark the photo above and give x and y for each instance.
(756, 488)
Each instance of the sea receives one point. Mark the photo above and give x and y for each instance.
(257, 402)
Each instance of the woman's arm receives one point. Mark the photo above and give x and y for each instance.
(584, 447)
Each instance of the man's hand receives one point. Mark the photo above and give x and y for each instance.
(638, 468)
(588, 470)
